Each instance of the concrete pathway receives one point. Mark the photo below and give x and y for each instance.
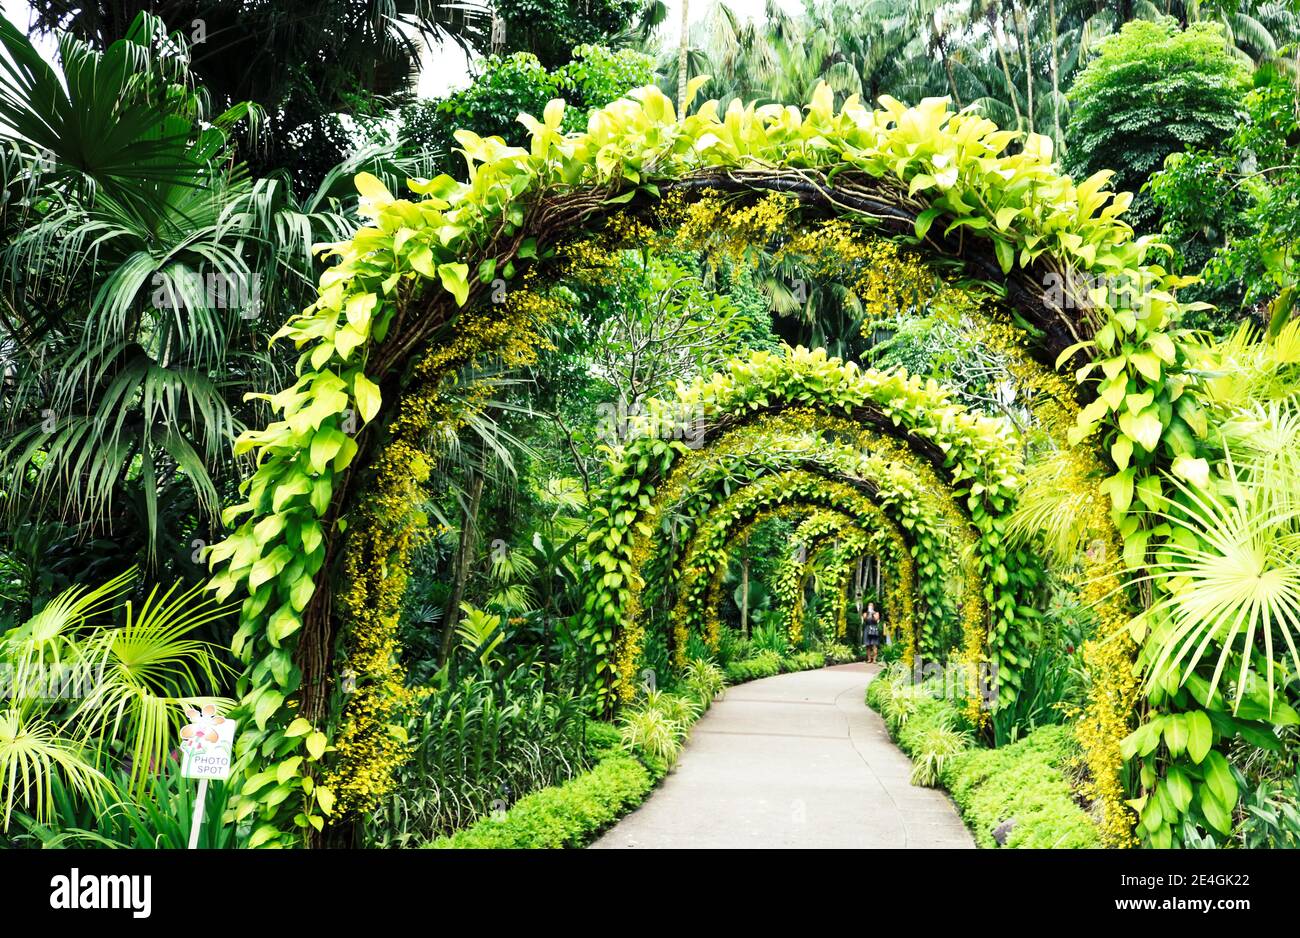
(796, 760)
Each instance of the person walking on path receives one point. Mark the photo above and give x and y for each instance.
(871, 632)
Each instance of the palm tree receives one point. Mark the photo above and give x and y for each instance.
(304, 62)
(143, 277)
(136, 679)
(683, 43)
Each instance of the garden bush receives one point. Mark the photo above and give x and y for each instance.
(804, 661)
(1026, 784)
(568, 815)
(1023, 788)
(493, 734)
(838, 653)
(603, 739)
(763, 664)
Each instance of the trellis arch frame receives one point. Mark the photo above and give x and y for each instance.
(812, 535)
(706, 549)
(970, 452)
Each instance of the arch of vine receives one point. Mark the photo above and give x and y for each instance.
(405, 309)
(875, 536)
(821, 529)
(704, 559)
(872, 532)
(969, 453)
(802, 440)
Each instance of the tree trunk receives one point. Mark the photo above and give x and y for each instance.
(744, 597)
(1056, 81)
(464, 557)
(1022, 23)
(682, 47)
(998, 36)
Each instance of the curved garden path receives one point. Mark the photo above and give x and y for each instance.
(796, 760)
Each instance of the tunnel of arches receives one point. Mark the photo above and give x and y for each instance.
(415, 304)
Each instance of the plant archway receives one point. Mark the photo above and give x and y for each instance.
(767, 441)
(882, 539)
(838, 568)
(927, 522)
(389, 315)
(970, 453)
(874, 493)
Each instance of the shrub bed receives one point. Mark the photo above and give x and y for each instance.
(770, 664)
(568, 815)
(1025, 787)
(1020, 791)
(574, 813)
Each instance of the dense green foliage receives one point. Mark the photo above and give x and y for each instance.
(550, 30)
(1231, 212)
(1153, 90)
(1023, 788)
(566, 816)
(488, 738)
(309, 66)
(1021, 794)
(520, 84)
(145, 274)
(609, 494)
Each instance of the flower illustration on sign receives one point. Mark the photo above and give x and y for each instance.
(201, 732)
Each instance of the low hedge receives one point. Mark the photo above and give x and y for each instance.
(567, 815)
(603, 739)
(1024, 783)
(1024, 786)
(764, 664)
(804, 661)
(770, 664)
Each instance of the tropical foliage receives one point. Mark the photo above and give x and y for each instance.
(488, 441)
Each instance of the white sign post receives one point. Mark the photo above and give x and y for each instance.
(207, 746)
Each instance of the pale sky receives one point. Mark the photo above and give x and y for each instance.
(446, 69)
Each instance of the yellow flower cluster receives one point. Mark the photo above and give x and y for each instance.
(370, 740)
(885, 277)
(1112, 702)
(727, 229)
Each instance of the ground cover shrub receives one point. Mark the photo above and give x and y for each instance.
(732, 647)
(763, 664)
(567, 815)
(1022, 791)
(804, 661)
(839, 653)
(771, 637)
(933, 748)
(603, 740)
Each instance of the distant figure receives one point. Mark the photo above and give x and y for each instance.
(871, 632)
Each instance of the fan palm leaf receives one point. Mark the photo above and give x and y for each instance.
(1231, 571)
(147, 670)
(32, 753)
(49, 640)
